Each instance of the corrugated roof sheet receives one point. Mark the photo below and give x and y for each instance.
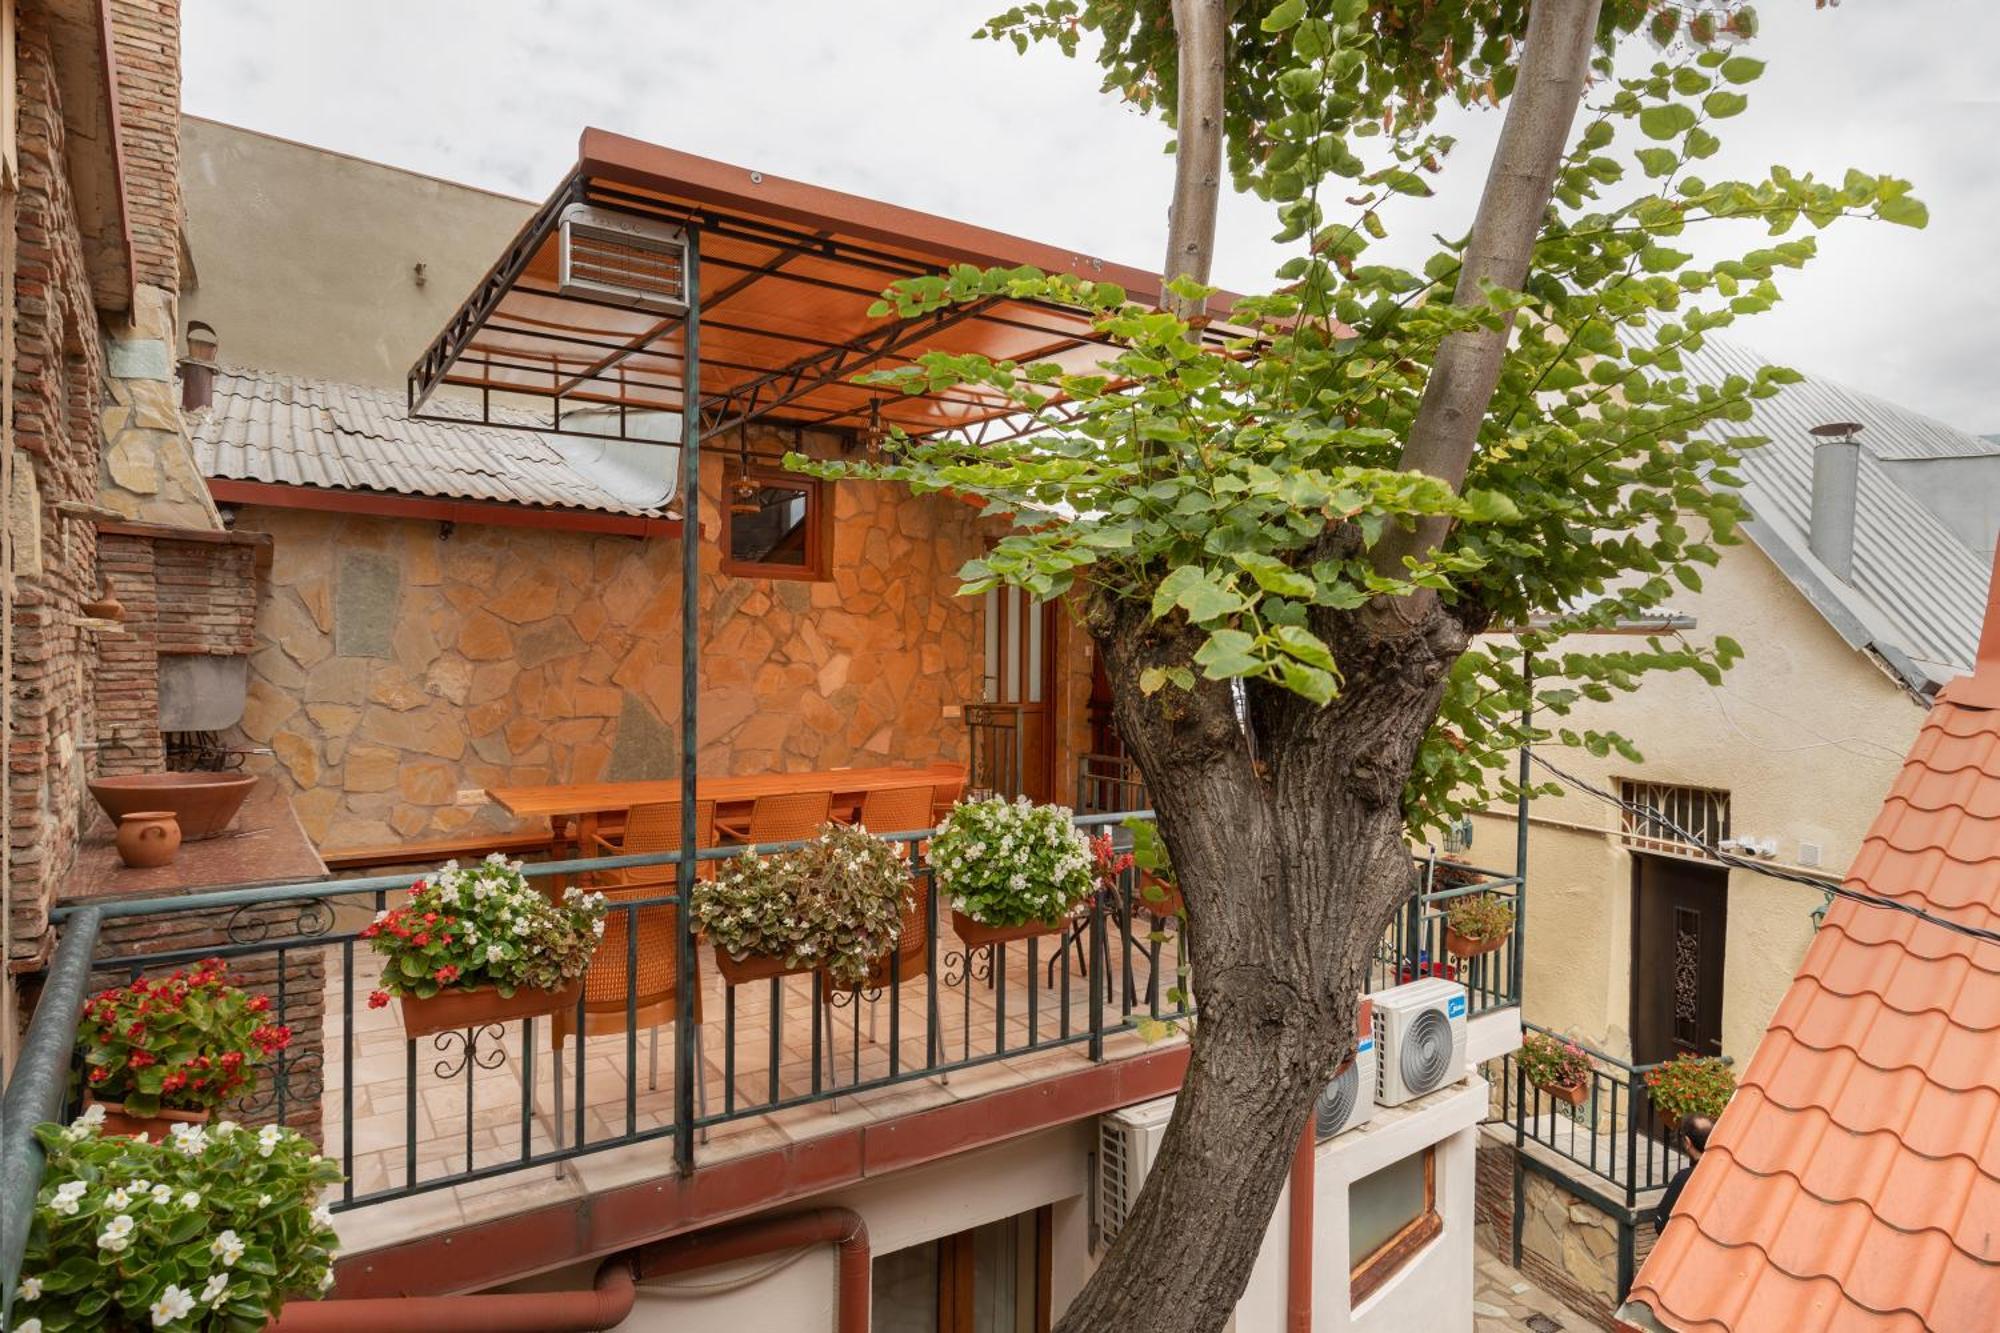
(1854, 1181)
(1917, 591)
(270, 427)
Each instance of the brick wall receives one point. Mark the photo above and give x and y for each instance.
(59, 371)
(196, 597)
(147, 45)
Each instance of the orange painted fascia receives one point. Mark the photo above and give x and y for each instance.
(275, 495)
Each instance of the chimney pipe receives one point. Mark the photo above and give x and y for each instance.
(198, 367)
(1836, 480)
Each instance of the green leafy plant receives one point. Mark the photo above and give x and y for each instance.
(483, 926)
(1550, 1062)
(1690, 1085)
(189, 1041)
(1480, 916)
(835, 903)
(213, 1228)
(1007, 863)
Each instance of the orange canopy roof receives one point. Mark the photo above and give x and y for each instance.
(1854, 1181)
(788, 272)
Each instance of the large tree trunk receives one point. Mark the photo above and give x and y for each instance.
(1291, 866)
(1200, 27)
(1288, 840)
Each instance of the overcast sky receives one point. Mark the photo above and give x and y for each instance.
(889, 98)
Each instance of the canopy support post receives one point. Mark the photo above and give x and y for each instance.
(687, 1055)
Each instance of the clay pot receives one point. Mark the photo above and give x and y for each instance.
(1573, 1093)
(454, 1010)
(106, 607)
(122, 1123)
(148, 838)
(203, 802)
(976, 935)
(1464, 946)
(753, 967)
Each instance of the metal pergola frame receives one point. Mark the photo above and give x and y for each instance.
(830, 255)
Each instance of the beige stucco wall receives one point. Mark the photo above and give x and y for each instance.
(397, 666)
(306, 260)
(1806, 735)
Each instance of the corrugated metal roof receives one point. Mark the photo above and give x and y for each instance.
(270, 427)
(1917, 591)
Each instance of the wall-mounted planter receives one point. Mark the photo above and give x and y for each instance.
(976, 935)
(455, 1010)
(1465, 946)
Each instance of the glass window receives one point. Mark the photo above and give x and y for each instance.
(774, 525)
(1391, 1215)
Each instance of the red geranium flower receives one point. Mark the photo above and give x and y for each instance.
(378, 999)
(259, 1003)
(447, 974)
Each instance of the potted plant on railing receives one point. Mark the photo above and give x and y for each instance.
(173, 1049)
(1476, 924)
(1159, 891)
(1453, 872)
(834, 904)
(214, 1228)
(1559, 1068)
(483, 945)
(1690, 1085)
(1012, 869)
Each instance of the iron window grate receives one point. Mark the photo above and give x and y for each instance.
(1702, 812)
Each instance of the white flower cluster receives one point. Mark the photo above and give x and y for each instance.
(1006, 863)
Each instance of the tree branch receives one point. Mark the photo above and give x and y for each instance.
(1201, 27)
(1555, 61)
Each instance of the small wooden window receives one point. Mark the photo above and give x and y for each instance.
(1391, 1215)
(775, 524)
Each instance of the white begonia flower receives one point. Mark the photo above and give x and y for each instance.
(190, 1199)
(93, 1114)
(263, 1201)
(29, 1290)
(163, 1194)
(326, 1280)
(118, 1201)
(28, 1326)
(174, 1303)
(117, 1234)
(227, 1247)
(215, 1289)
(322, 1216)
(191, 1140)
(224, 1128)
(267, 1139)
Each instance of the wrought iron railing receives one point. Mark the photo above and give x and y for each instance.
(996, 749)
(1108, 782)
(1415, 945)
(406, 1117)
(1613, 1147)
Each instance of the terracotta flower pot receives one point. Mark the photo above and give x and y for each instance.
(1157, 896)
(1576, 1094)
(148, 838)
(1464, 946)
(754, 967)
(976, 935)
(125, 1124)
(452, 1010)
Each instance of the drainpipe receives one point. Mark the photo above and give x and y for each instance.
(611, 1297)
(1836, 482)
(1299, 1237)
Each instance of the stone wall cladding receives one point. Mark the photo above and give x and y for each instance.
(192, 597)
(528, 655)
(1569, 1247)
(59, 367)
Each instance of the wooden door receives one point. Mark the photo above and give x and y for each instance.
(1680, 923)
(992, 1279)
(1021, 675)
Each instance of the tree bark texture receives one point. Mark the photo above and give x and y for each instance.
(1291, 866)
(1200, 28)
(1555, 61)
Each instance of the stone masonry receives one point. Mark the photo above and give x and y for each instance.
(399, 664)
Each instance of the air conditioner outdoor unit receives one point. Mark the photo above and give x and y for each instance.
(1349, 1098)
(1419, 1038)
(632, 261)
(1127, 1142)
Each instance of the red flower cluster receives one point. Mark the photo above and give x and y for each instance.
(1111, 863)
(378, 999)
(190, 1039)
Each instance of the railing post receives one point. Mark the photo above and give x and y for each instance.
(1520, 1147)
(1521, 827)
(1100, 961)
(686, 1056)
(36, 1091)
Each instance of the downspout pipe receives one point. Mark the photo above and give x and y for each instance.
(1299, 1235)
(613, 1294)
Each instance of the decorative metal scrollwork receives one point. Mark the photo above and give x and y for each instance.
(300, 918)
(466, 1043)
(975, 963)
(301, 1078)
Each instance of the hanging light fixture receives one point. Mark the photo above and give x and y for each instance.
(743, 498)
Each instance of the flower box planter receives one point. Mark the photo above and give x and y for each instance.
(977, 936)
(1576, 1094)
(454, 1010)
(754, 967)
(128, 1124)
(1465, 946)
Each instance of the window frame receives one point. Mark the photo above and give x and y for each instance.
(1392, 1255)
(818, 543)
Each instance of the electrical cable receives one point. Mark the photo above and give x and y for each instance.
(1731, 859)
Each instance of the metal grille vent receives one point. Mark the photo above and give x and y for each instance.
(1701, 811)
(1336, 1101)
(631, 261)
(1425, 1056)
(1116, 1186)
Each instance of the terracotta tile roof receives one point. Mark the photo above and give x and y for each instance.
(1854, 1182)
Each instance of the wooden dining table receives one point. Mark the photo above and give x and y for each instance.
(588, 803)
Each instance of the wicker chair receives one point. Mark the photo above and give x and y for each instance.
(608, 989)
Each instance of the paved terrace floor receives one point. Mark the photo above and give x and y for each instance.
(1504, 1301)
(968, 1012)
